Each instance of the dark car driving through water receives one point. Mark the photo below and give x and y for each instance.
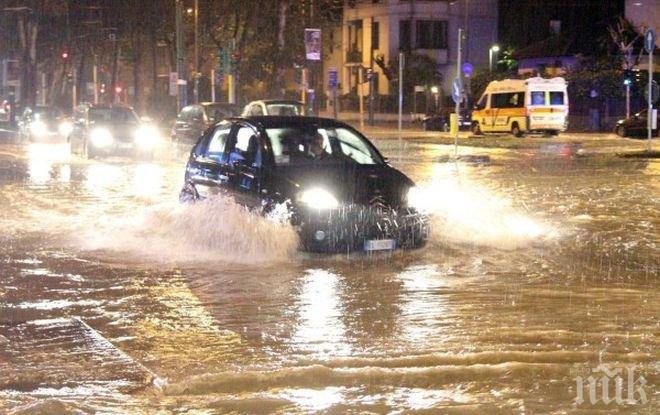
(340, 194)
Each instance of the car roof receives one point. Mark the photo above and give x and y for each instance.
(278, 101)
(217, 104)
(270, 121)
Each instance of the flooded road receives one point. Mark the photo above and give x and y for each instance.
(542, 266)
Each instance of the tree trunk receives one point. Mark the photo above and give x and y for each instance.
(277, 61)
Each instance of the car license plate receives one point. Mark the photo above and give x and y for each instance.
(379, 244)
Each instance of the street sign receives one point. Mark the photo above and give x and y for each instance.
(313, 44)
(655, 92)
(467, 69)
(649, 40)
(173, 83)
(457, 90)
(333, 81)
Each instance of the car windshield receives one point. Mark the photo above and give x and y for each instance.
(113, 115)
(46, 113)
(309, 145)
(284, 109)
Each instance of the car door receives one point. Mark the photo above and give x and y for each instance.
(246, 154)
(209, 169)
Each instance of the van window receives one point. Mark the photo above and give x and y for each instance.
(482, 102)
(517, 100)
(538, 98)
(556, 98)
(499, 100)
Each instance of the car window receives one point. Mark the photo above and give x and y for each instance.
(355, 147)
(285, 110)
(217, 143)
(538, 98)
(556, 98)
(293, 145)
(185, 113)
(482, 102)
(246, 149)
(256, 110)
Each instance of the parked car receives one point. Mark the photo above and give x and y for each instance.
(340, 193)
(635, 126)
(276, 107)
(194, 119)
(43, 123)
(439, 121)
(101, 130)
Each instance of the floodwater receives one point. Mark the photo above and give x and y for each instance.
(542, 265)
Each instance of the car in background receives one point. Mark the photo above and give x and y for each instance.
(332, 184)
(194, 119)
(112, 130)
(5, 111)
(275, 107)
(439, 121)
(636, 126)
(44, 123)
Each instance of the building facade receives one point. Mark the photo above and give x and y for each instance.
(374, 29)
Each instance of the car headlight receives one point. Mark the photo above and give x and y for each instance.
(146, 136)
(38, 127)
(101, 137)
(65, 128)
(418, 199)
(318, 199)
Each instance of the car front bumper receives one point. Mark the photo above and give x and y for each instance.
(354, 228)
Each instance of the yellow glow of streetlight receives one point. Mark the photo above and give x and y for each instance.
(495, 48)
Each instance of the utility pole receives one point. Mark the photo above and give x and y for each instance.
(182, 78)
(458, 77)
(196, 74)
(401, 64)
(95, 80)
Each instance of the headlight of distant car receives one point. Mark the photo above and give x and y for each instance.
(318, 199)
(38, 127)
(418, 199)
(65, 128)
(146, 136)
(101, 137)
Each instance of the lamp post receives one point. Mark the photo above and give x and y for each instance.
(196, 75)
(492, 49)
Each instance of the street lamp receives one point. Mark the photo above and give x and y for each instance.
(492, 49)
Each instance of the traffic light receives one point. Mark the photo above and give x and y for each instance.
(627, 77)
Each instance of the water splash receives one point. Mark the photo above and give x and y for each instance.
(465, 211)
(213, 229)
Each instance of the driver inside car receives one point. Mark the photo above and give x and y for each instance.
(316, 148)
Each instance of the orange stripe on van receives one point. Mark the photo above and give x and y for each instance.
(546, 110)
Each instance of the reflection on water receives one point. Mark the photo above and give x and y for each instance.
(542, 265)
(320, 330)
